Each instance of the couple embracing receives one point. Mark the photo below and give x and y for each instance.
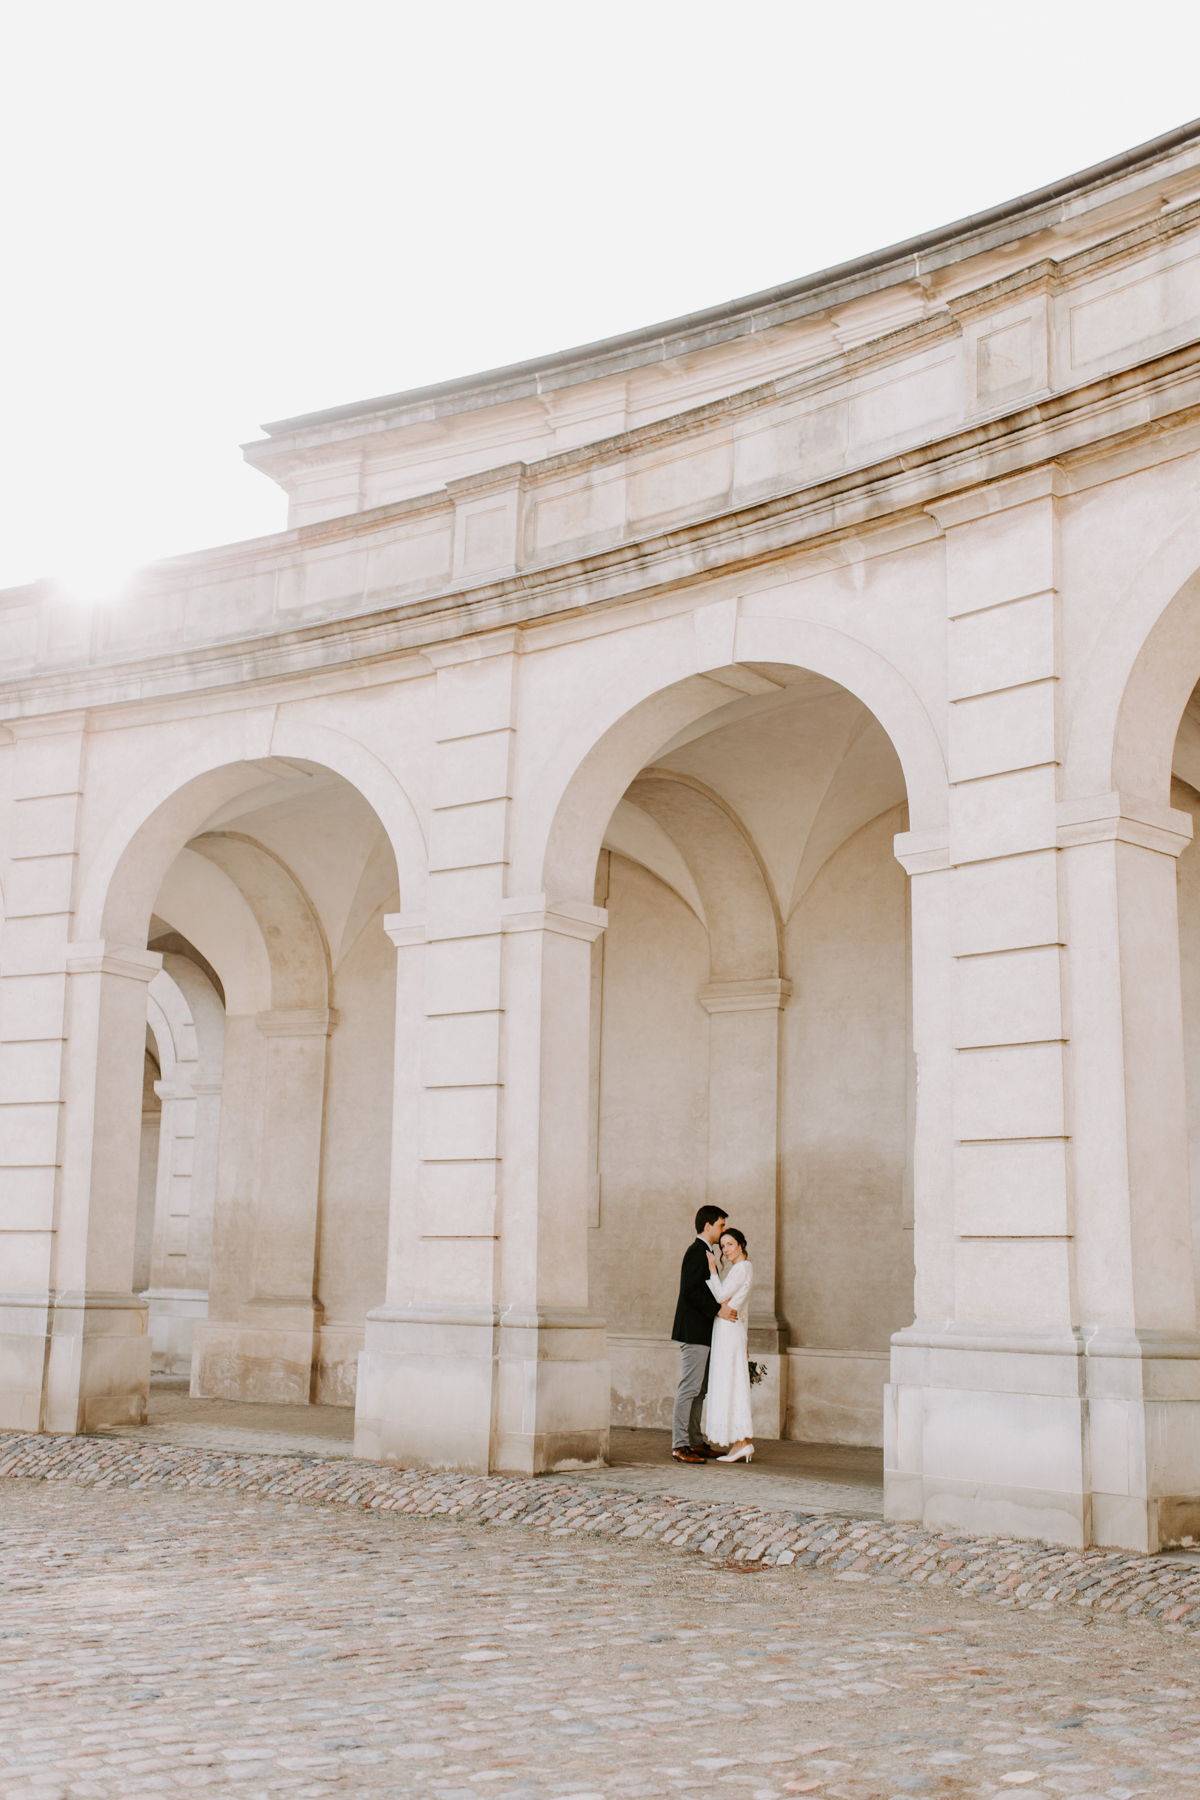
(712, 1403)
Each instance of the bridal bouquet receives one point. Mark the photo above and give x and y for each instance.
(758, 1372)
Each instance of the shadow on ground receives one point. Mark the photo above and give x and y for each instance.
(800, 1477)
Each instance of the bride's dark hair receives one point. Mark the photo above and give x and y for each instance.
(733, 1232)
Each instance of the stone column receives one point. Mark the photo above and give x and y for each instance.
(42, 783)
(98, 1367)
(743, 1160)
(462, 1366)
(1132, 1200)
(269, 1352)
(74, 1352)
(554, 1390)
(426, 1393)
(187, 1179)
(1051, 1010)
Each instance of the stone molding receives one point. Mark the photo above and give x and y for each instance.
(1122, 819)
(304, 1022)
(566, 918)
(769, 995)
(112, 959)
(452, 1312)
(406, 929)
(922, 852)
(1142, 1343)
(1148, 393)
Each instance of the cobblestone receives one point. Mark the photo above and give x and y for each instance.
(1025, 1576)
(160, 1642)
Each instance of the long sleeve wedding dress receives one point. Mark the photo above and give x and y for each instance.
(727, 1407)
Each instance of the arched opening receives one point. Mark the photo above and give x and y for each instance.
(751, 1045)
(262, 887)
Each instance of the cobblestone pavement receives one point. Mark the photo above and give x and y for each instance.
(163, 1643)
(1030, 1576)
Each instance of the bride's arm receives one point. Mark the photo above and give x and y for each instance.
(740, 1277)
(720, 1288)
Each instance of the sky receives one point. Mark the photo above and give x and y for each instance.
(216, 214)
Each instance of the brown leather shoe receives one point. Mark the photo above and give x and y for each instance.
(706, 1451)
(688, 1456)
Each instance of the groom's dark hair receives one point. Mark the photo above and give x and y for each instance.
(708, 1215)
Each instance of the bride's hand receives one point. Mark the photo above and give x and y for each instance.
(712, 1263)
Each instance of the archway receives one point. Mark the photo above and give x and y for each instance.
(263, 889)
(751, 1038)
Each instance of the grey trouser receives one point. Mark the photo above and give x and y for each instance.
(689, 1397)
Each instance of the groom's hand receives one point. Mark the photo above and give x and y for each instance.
(728, 1312)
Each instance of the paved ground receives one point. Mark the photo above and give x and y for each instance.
(161, 1643)
(799, 1477)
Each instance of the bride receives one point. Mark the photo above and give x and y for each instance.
(727, 1406)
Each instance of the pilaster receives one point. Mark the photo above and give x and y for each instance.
(484, 1355)
(268, 1353)
(1048, 1386)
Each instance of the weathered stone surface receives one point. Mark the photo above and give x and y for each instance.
(159, 1643)
(1022, 1575)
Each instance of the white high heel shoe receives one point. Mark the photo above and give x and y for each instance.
(744, 1453)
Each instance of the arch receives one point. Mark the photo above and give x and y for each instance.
(657, 697)
(290, 931)
(1138, 677)
(633, 834)
(208, 908)
(188, 786)
(170, 1019)
(743, 927)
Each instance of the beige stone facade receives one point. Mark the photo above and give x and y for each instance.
(753, 759)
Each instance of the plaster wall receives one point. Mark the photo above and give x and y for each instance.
(653, 1100)
(847, 1257)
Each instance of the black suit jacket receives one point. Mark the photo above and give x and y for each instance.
(698, 1306)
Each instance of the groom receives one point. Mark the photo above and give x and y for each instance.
(692, 1331)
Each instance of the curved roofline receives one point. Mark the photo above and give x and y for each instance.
(713, 323)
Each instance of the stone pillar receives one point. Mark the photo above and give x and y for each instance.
(1132, 1200)
(1012, 1407)
(269, 1352)
(426, 1388)
(98, 1367)
(463, 1366)
(74, 1352)
(42, 783)
(554, 1378)
(743, 1160)
(183, 1213)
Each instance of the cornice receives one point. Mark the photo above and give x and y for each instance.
(1141, 401)
(913, 259)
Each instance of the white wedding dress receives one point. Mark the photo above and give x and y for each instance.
(726, 1417)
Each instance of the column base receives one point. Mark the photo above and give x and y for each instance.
(173, 1316)
(1077, 1437)
(24, 1346)
(555, 1388)
(98, 1362)
(467, 1388)
(266, 1355)
(426, 1391)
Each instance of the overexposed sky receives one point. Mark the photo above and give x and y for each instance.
(213, 214)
